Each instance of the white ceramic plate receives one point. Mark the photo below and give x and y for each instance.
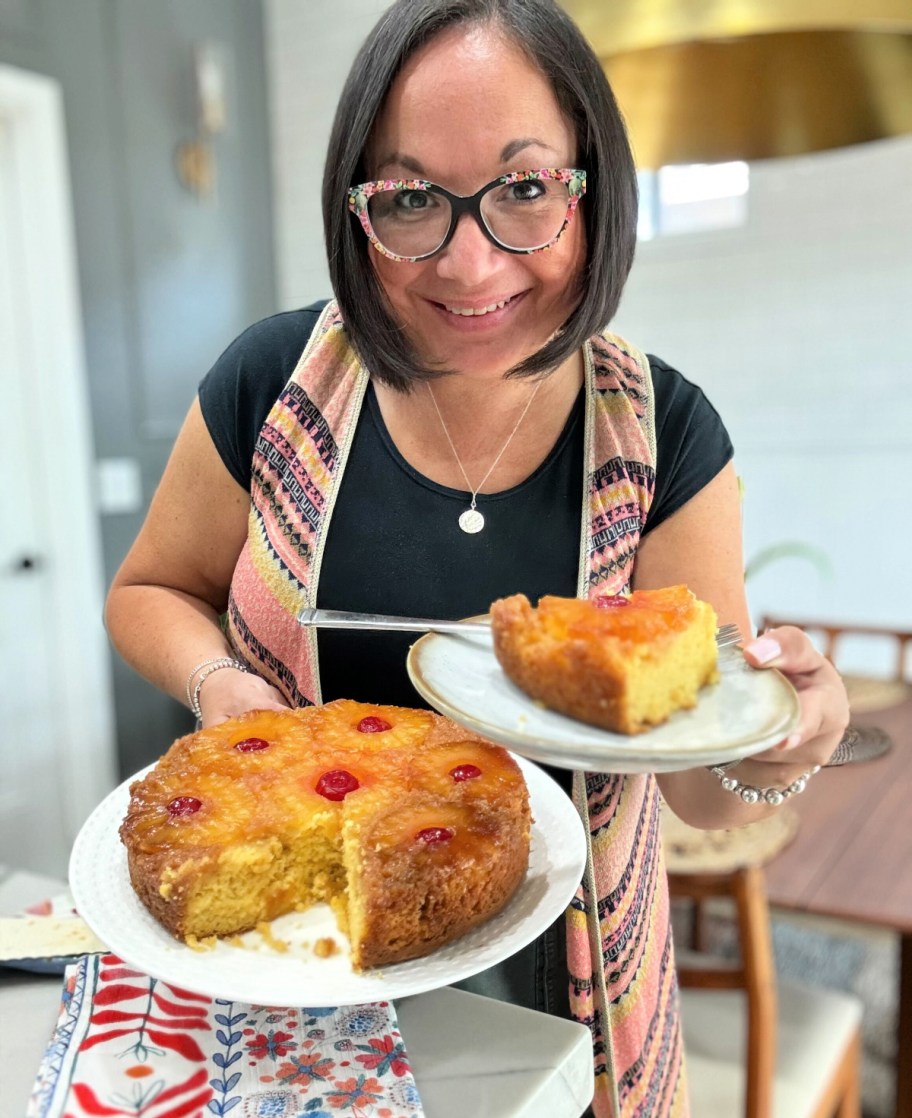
(745, 712)
(258, 973)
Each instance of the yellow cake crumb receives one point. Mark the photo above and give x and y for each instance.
(265, 930)
(326, 946)
(205, 943)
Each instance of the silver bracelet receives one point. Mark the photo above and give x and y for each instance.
(207, 668)
(221, 660)
(751, 795)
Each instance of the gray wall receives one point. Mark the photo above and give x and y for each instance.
(166, 280)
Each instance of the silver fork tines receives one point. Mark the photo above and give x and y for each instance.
(727, 634)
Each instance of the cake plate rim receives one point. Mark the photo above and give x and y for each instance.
(747, 711)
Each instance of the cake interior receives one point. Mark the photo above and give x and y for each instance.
(252, 882)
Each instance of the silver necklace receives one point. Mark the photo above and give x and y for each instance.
(471, 520)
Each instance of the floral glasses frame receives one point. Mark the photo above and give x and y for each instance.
(359, 197)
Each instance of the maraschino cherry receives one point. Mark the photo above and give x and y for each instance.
(465, 772)
(251, 745)
(431, 835)
(373, 725)
(184, 805)
(336, 784)
(611, 601)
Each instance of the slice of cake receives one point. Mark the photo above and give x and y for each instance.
(413, 829)
(622, 663)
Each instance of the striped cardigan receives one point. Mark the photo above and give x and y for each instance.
(298, 461)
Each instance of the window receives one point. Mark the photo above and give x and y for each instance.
(692, 197)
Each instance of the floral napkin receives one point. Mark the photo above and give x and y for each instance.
(128, 1044)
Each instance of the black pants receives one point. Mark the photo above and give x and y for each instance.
(535, 977)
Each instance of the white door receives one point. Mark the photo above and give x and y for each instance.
(56, 741)
(31, 817)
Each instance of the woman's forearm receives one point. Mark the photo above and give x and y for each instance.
(167, 634)
(163, 608)
(164, 634)
(697, 795)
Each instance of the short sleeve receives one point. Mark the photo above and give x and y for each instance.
(692, 444)
(238, 392)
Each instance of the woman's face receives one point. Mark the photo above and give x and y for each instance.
(467, 108)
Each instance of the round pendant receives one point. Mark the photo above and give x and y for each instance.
(471, 521)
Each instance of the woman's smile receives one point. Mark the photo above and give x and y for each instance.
(476, 310)
(479, 315)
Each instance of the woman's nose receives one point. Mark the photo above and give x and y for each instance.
(470, 257)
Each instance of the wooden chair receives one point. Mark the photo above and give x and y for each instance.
(755, 1049)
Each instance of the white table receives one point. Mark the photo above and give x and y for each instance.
(470, 1055)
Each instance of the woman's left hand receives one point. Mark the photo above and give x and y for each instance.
(821, 693)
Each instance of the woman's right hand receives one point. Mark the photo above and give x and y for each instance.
(230, 692)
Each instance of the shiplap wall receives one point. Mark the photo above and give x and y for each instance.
(799, 328)
(797, 325)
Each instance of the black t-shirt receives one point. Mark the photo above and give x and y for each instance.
(394, 545)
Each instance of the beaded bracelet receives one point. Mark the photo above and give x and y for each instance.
(222, 661)
(751, 795)
(842, 755)
(207, 668)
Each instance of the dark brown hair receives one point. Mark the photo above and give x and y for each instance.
(555, 45)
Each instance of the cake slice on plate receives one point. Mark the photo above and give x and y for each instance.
(624, 663)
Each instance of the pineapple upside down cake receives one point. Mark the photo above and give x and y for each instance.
(413, 829)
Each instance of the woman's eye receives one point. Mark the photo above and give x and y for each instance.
(526, 191)
(412, 200)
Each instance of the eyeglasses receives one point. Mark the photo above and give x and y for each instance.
(523, 212)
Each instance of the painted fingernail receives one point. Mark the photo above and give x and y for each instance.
(764, 649)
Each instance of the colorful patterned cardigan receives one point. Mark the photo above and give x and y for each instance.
(298, 461)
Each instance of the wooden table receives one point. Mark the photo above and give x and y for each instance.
(852, 858)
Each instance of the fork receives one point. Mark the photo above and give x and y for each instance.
(343, 619)
(727, 635)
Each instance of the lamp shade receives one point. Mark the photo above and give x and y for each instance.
(753, 79)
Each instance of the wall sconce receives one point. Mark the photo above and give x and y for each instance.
(195, 160)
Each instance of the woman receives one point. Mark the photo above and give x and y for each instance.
(434, 438)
